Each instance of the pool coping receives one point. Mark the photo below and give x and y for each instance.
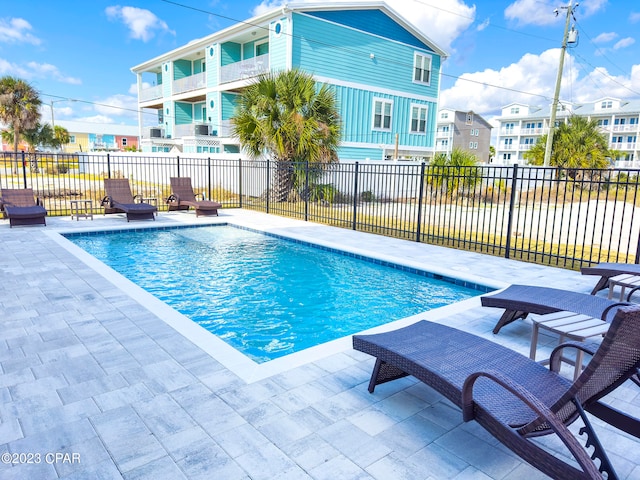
(238, 363)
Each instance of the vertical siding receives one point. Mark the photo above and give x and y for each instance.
(278, 45)
(166, 79)
(230, 52)
(391, 66)
(181, 69)
(356, 112)
(184, 113)
(374, 22)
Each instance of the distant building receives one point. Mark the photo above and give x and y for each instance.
(522, 125)
(99, 137)
(465, 130)
(385, 73)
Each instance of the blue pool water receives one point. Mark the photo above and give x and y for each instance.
(266, 296)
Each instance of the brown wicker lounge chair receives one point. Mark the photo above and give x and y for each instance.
(21, 207)
(608, 270)
(182, 197)
(520, 300)
(513, 397)
(120, 199)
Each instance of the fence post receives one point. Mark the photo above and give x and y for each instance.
(355, 196)
(178, 164)
(512, 205)
(268, 186)
(306, 189)
(209, 178)
(240, 180)
(420, 197)
(108, 166)
(24, 170)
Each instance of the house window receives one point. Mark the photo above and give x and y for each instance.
(72, 139)
(619, 121)
(445, 143)
(444, 115)
(124, 142)
(421, 68)
(445, 129)
(469, 118)
(606, 104)
(506, 156)
(633, 121)
(382, 114)
(603, 122)
(508, 142)
(418, 119)
(515, 110)
(508, 127)
(262, 48)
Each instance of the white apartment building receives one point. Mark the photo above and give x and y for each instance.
(463, 129)
(522, 125)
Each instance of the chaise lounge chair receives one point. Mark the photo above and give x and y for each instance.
(120, 199)
(520, 300)
(182, 197)
(608, 270)
(21, 207)
(513, 397)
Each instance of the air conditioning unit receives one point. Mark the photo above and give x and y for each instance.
(156, 133)
(201, 129)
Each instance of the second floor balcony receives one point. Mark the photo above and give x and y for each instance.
(190, 83)
(248, 68)
(623, 146)
(151, 93)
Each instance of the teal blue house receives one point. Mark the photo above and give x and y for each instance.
(385, 74)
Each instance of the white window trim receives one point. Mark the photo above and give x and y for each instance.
(426, 118)
(417, 55)
(383, 101)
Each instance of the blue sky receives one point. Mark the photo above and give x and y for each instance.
(500, 51)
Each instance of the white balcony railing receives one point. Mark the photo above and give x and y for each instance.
(245, 69)
(151, 93)
(190, 83)
(625, 128)
(191, 130)
(532, 131)
(623, 146)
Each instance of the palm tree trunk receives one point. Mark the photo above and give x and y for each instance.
(283, 181)
(16, 140)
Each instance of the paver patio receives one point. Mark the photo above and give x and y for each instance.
(91, 368)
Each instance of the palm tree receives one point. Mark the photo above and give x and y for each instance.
(578, 143)
(39, 135)
(454, 172)
(288, 116)
(60, 136)
(19, 108)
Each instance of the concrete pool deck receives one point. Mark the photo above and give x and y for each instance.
(96, 382)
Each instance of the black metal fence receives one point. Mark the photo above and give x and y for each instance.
(566, 218)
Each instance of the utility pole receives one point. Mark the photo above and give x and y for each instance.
(554, 107)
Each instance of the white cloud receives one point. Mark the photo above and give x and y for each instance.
(634, 17)
(483, 25)
(624, 43)
(17, 30)
(48, 71)
(118, 105)
(605, 37)
(142, 23)
(34, 71)
(442, 22)
(541, 12)
(530, 80)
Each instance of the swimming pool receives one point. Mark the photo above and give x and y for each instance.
(264, 295)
